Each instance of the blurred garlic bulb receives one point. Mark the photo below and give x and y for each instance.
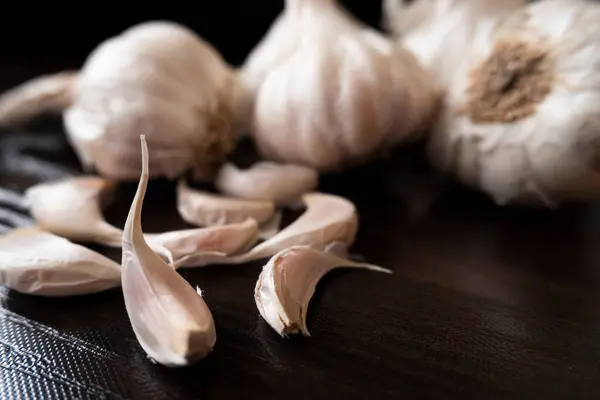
(521, 119)
(325, 91)
(283, 184)
(169, 318)
(287, 283)
(40, 263)
(156, 78)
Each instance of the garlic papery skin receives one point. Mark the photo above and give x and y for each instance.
(287, 283)
(327, 219)
(283, 184)
(326, 91)
(203, 208)
(40, 263)
(521, 118)
(71, 208)
(156, 78)
(169, 318)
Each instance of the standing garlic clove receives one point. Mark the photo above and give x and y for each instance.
(198, 247)
(36, 262)
(202, 208)
(283, 184)
(327, 219)
(48, 94)
(520, 119)
(326, 91)
(287, 283)
(71, 208)
(157, 78)
(169, 318)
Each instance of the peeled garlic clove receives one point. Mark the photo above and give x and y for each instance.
(287, 283)
(327, 219)
(520, 117)
(71, 208)
(169, 318)
(282, 183)
(197, 247)
(40, 263)
(157, 78)
(326, 91)
(201, 208)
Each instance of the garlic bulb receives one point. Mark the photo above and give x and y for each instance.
(156, 78)
(169, 318)
(287, 283)
(520, 120)
(325, 91)
(36, 262)
(328, 219)
(283, 184)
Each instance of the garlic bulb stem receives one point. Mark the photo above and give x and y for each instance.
(49, 94)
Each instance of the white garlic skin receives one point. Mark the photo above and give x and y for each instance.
(327, 92)
(162, 80)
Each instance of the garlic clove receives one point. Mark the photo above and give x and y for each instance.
(48, 94)
(287, 283)
(197, 247)
(327, 219)
(71, 208)
(325, 91)
(272, 227)
(282, 183)
(202, 208)
(36, 262)
(170, 319)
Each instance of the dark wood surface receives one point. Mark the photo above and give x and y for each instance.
(484, 303)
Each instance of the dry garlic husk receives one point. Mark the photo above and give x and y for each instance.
(156, 78)
(170, 319)
(36, 262)
(203, 208)
(325, 91)
(283, 184)
(521, 120)
(327, 219)
(287, 283)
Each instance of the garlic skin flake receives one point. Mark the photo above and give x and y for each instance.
(283, 184)
(520, 120)
(325, 91)
(40, 263)
(202, 208)
(327, 219)
(156, 78)
(170, 319)
(287, 283)
(71, 208)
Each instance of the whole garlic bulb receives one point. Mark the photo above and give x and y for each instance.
(325, 91)
(521, 119)
(157, 78)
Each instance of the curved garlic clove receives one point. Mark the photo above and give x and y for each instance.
(158, 78)
(198, 247)
(287, 283)
(282, 183)
(326, 91)
(48, 94)
(327, 219)
(71, 208)
(202, 208)
(36, 262)
(169, 318)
